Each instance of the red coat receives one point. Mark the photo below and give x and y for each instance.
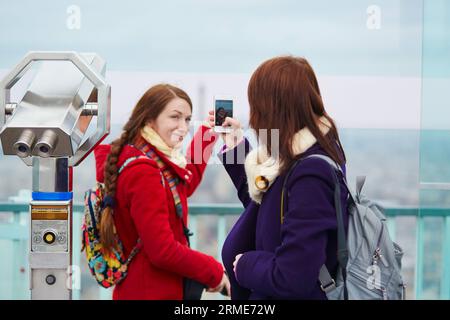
(145, 209)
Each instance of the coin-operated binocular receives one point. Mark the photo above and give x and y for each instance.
(48, 130)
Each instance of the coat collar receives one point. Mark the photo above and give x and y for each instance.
(183, 173)
(262, 170)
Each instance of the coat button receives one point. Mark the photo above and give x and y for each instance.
(261, 183)
(186, 177)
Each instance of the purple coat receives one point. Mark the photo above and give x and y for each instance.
(283, 262)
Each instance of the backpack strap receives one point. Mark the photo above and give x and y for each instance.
(326, 281)
(360, 180)
(109, 201)
(138, 245)
(128, 161)
(359, 185)
(342, 241)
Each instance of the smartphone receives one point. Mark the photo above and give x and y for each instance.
(223, 107)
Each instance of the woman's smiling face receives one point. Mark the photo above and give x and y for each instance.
(172, 124)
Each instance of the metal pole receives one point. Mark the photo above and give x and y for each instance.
(51, 226)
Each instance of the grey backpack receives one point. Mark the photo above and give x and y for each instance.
(369, 261)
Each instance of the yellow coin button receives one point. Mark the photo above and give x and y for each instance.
(49, 237)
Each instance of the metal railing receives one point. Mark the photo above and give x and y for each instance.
(14, 235)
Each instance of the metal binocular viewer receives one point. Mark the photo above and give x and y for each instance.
(48, 130)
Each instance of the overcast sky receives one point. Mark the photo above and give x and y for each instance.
(367, 54)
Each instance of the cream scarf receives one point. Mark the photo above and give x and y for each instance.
(259, 167)
(173, 154)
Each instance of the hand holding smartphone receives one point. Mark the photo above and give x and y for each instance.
(223, 107)
(232, 133)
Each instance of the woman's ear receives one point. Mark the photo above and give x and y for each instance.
(150, 124)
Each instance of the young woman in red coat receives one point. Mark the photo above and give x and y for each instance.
(151, 206)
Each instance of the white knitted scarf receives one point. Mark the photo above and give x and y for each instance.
(259, 164)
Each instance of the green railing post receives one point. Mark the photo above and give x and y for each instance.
(445, 280)
(193, 228)
(419, 256)
(392, 227)
(221, 234)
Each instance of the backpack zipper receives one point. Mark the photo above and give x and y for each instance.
(377, 254)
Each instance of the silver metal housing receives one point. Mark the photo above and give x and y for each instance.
(54, 107)
(47, 129)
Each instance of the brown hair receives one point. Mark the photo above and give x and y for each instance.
(148, 108)
(283, 94)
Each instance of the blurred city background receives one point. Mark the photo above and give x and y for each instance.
(383, 68)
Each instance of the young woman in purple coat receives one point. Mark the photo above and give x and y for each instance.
(267, 255)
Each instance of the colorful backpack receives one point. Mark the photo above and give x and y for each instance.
(107, 269)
